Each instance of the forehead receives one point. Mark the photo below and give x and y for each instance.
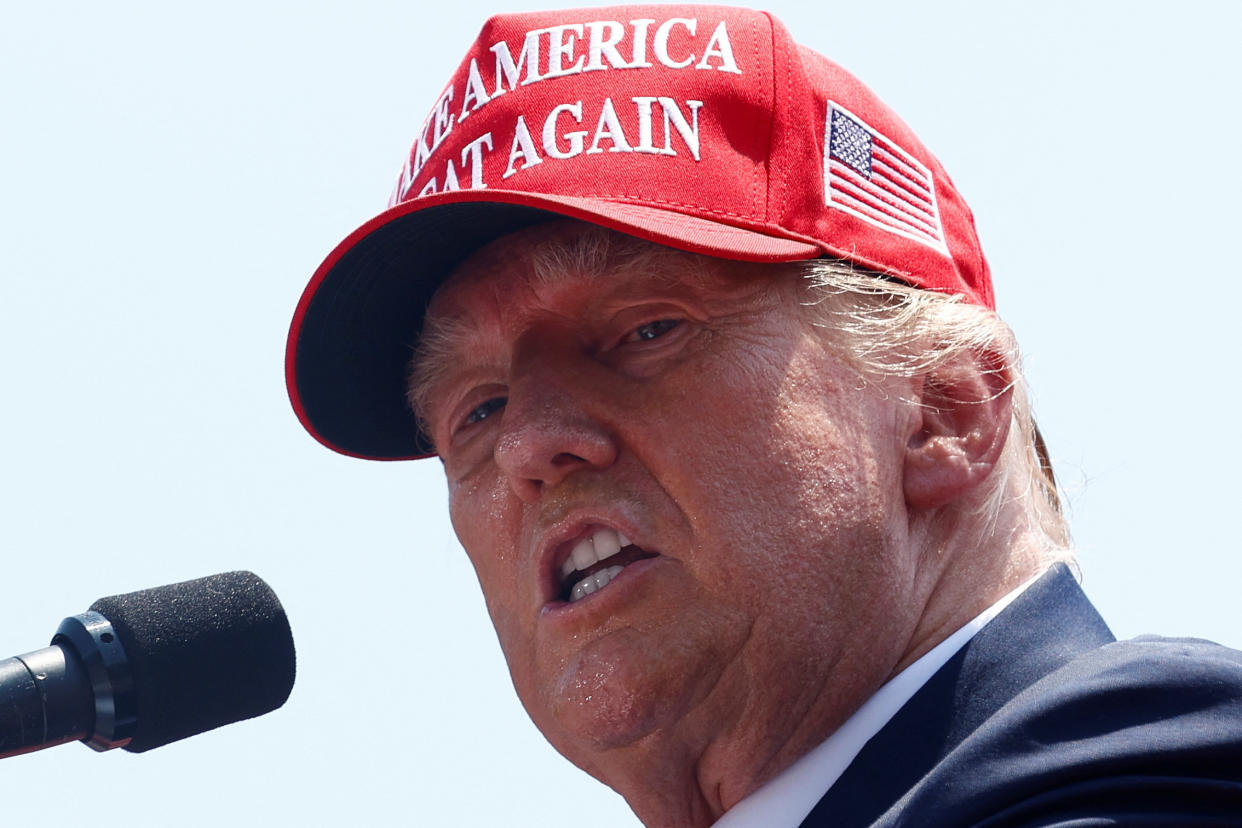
(564, 265)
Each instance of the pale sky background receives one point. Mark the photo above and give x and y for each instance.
(172, 174)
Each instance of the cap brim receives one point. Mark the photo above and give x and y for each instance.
(359, 318)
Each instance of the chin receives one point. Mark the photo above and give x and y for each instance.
(613, 694)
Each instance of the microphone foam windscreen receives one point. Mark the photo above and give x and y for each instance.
(203, 653)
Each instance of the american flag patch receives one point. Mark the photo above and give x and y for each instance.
(869, 176)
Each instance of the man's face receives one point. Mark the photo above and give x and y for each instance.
(683, 406)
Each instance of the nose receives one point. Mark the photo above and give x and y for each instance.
(551, 426)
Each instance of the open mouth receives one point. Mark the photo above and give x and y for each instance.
(594, 561)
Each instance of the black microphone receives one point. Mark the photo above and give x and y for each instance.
(147, 668)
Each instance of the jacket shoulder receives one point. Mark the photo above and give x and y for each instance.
(1140, 730)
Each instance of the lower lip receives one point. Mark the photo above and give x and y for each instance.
(606, 599)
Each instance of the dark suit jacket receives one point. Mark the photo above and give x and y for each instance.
(1043, 718)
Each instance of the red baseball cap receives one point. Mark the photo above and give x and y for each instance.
(704, 128)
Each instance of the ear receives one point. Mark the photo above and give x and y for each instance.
(961, 424)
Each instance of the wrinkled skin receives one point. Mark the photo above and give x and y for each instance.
(703, 417)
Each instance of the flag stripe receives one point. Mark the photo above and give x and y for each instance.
(901, 184)
(880, 201)
(845, 202)
(844, 196)
(916, 177)
(920, 209)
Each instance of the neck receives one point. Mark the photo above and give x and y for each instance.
(967, 563)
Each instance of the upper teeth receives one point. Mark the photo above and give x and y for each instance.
(601, 544)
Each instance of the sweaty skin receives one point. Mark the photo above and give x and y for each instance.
(789, 503)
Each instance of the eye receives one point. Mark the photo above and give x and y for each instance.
(652, 330)
(485, 410)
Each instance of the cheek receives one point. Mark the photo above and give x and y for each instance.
(488, 527)
(477, 501)
(768, 432)
(795, 482)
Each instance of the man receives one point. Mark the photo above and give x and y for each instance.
(703, 336)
